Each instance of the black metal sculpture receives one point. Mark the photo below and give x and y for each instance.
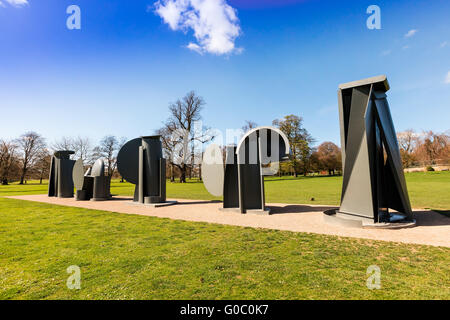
(140, 161)
(92, 185)
(373, 179)
(258, 154)
(60, 183)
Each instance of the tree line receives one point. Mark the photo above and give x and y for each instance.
(423, 149)
(28, 156)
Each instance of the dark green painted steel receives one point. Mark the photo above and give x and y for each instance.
(140, 161)
(60, 183)
(373, 180)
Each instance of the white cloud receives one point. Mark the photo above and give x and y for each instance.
(386, 52)
(14, 3)
(214, 22)
(411, 33)
(444, 44)
(447, 78)
(195, 47)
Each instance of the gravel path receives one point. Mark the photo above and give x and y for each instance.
(432, 228)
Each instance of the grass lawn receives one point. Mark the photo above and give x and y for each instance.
(135, 257)
(429, 190)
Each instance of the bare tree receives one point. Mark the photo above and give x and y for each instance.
(433, 147)
(199, 136)
(7, 160)
(169, 143)
(249, 125)
(42, 166)
(65, 143)
(30, 146)
(408, 142)
(107, 149)
(180, 127)
(83, 149)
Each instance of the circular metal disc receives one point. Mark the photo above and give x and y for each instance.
(128, 160)
(213, 170)
(78, 174)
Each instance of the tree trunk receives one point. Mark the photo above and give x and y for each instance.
(183, 174)
(183, 177)
(172, 173)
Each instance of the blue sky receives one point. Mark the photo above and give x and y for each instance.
(118, 73)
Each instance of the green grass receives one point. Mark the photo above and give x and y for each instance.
(136, 257)
(429, 190)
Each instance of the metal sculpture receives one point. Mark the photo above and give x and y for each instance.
(373, 179)
(60, 183)
(257, 154)
(92, 185)
(140, 161)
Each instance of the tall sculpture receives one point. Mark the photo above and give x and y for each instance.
(92, 185)
(60, 183)
(140, 161)
(373, 180)
(241, 180)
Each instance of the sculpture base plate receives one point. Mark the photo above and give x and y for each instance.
(265, 212)
(334, 217)
(155, 205)
(100, 199)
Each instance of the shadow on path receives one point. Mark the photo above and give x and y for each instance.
(431, 218)
(296, 208)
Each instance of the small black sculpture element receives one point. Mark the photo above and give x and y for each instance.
(373, 178)
(92, 185)
(140, 162)
(258, 154)
(60, 182)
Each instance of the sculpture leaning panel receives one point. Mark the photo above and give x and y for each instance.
(373, 179)
(92, 185)
(60, 183)
(140, 161)
(241, 180)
